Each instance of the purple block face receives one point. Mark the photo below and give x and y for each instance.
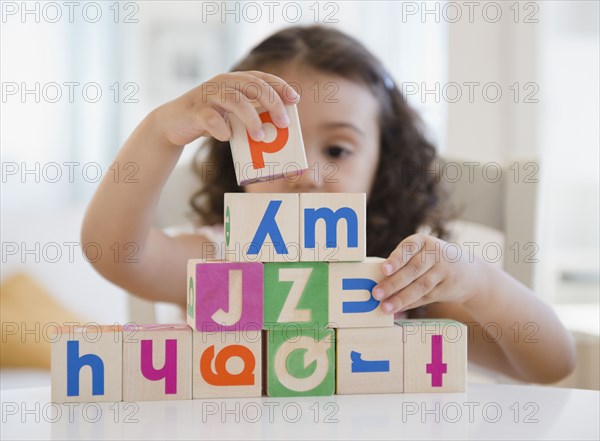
(229, 296)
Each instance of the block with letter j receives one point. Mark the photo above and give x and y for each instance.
(224, 296)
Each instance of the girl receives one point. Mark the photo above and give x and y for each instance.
(371, 136)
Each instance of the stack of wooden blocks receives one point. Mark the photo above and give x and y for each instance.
(289, 312)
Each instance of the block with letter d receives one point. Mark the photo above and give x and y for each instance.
(351, 301)
(227, 364)
(224, 296)
(281, 153)
(300, 361)
(295, 293)
(86, 363)
(262, 227)
(157, 362)
(435, 355)
(369, 360)
(333, 227)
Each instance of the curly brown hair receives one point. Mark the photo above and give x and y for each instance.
(406, 193)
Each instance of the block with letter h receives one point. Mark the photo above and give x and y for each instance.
(281, 153)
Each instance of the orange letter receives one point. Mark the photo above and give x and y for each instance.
(220, 376)
(257, 148)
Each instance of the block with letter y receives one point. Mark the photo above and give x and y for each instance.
(224, 296)
(435, 355)
(261, 227)
(351, 301)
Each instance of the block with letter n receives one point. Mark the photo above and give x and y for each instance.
(280, 153)
(435, 355)
(332, 227)
(224, 296)
(351, 301)
(86, 363)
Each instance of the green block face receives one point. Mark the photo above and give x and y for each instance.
(301, 362)
(295, 292)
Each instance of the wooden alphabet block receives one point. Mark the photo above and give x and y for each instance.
(227, 364)
(262, 227)
(86, 364)
(157, 362)
(296, 293)
(351, 302)
(224, 296)
(280, 153)
(369, 360)
(435, 355)
(333, 227)
(300, 362)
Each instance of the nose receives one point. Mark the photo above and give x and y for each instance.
(311, 180)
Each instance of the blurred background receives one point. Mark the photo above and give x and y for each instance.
(510, 84)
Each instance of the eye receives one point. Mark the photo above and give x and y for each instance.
(336, 151)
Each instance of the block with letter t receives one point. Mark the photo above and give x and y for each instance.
(435, 355)
(262, 227)
(224, 296)
(86, 363)
(157, 362)
(280, 153)
(332, 227)
(369, 360)
(351, 301)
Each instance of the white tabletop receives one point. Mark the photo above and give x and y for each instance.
(484, 412)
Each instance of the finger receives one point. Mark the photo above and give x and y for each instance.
(214, 123)
(285, 91)
(235, 102)
(415, 268)
(403, 253)
(431, 297)
(418, 289)
(256, 89)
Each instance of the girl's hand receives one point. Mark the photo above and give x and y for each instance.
(201, 111)
(424, 269)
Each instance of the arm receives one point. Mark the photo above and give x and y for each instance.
(532, 344)
(121, 213)
(478, 294)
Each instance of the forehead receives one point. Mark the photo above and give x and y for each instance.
(327, 98)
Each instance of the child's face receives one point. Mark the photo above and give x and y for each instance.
(340, 130)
